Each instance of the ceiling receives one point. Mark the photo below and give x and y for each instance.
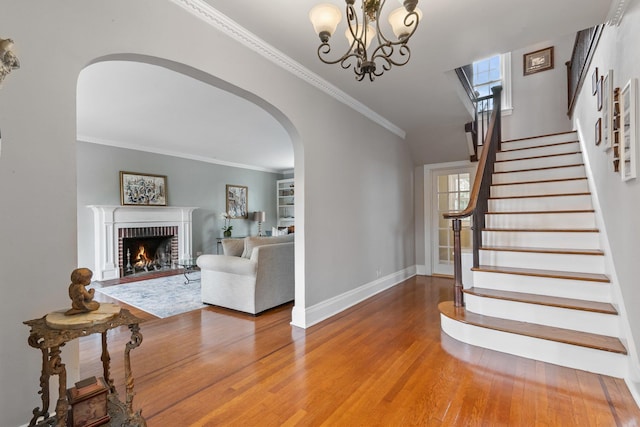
(154, 108)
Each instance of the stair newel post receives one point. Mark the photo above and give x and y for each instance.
(458, 298)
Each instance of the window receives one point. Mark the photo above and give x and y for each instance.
(452, 193)
(494, 71)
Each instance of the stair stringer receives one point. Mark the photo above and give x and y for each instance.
(632, 377)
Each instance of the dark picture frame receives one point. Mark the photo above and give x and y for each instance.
(141, 189)
(600, 90)
(537, 61)
(598, 129)
(594, 81)
(237, 201)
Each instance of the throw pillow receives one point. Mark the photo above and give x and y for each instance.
(253, 242)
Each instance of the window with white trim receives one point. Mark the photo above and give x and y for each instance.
(494, 71)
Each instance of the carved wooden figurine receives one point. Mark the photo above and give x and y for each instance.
(81, 298)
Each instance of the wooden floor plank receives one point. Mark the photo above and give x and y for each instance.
(384, 362)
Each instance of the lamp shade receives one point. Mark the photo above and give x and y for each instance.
(260, 216)
(371, 34)
(396, 19)
(325, 18)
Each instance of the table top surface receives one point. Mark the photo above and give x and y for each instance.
(189, 262)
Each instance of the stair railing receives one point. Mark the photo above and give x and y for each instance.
(480, 192)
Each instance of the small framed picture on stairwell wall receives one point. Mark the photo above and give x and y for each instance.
(540, 60)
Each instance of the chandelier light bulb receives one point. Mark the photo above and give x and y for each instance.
(398, 25)
(371, 34)
(325, 18)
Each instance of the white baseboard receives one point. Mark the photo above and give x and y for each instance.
(306, 317)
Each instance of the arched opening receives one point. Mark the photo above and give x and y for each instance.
(149, 115)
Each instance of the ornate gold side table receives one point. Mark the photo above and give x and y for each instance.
(53, 331)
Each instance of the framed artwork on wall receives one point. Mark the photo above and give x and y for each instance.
(598, 131)
(594, 81)
(143, 189)
(599, 93)
(628, 107)
(237, 196)
(607, 110)
(540, 60)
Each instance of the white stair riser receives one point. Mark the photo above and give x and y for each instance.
(541, 162)
(544, 261)
(578, 320)
(580, 220)
(563, 288)
(540, 188)
(586, 359)
(535, 142)
(533, 204)
(572, 147)
(533, 239)
(540, 175)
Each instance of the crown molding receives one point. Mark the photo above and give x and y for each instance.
(172, 153)
(213, 17)
(616, 12)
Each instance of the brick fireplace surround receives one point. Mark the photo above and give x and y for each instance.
(111, 223)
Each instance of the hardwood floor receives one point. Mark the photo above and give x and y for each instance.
(384, 362)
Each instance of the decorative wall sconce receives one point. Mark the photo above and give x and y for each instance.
(8, 60)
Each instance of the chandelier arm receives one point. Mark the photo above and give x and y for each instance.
(324, 49)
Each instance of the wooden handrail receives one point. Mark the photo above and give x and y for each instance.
(478, 201)
(477, 183)
(584, 48)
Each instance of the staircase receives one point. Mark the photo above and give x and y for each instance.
(541, 290)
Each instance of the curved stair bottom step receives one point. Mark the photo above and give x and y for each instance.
(568, 355)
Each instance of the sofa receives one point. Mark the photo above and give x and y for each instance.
(253, 275)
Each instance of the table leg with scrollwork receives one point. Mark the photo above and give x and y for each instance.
(136, 340)
(58, 368)
(44, 382)
(106, 367)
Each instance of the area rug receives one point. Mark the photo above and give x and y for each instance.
(162, 297)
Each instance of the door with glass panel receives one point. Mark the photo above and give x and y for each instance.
(451, 193)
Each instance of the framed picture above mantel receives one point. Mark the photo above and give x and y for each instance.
(143, 189)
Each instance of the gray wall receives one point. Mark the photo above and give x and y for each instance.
(620, 201)
(539, 100)
(190, 183)
(354, 179)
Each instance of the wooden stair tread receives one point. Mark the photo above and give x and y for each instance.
(551, 301)
(563, 251)
(541, 181)
(553, 144)
(537, 196)
(545, 230)
(533, 330)
(541, 168)
(538, 136)
(571, 275)
(542, 212)
(544, 156)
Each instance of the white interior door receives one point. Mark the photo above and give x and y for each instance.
(451, 192)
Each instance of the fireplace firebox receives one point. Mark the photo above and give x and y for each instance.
(147, 249)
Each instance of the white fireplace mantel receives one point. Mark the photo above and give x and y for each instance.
(109, 219)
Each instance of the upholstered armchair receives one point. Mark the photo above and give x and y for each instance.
(254, 274)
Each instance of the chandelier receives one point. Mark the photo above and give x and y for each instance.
(362, 29)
